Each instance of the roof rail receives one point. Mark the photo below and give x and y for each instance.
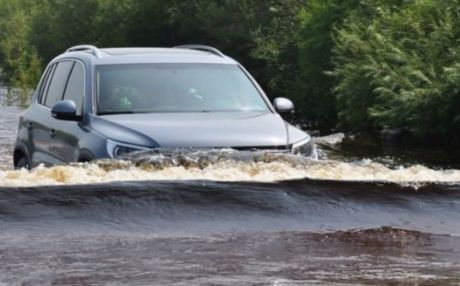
(202, 48)
(92, 49)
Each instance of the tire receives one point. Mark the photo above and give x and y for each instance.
(85, 156)
(23, 163)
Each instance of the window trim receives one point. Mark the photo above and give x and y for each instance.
(75, 62)
(67, 81)
(44, 89)
(41, 84)
(51, 69)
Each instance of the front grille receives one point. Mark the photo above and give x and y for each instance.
(282, 148)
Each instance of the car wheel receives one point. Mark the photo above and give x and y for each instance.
(23, 163)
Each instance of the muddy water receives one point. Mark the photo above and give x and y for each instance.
(227, 218)
(9, 116)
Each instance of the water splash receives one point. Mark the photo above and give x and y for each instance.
(331, 140)
(224, 165)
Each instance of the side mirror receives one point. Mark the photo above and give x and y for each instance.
(65, 110)
(283, 105)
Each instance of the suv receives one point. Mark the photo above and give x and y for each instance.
(103, 103)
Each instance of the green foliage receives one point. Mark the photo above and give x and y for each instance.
(20, 61)
(356, 64)
(261, 35)
(276, 46)
(399, 68)
(318, 19)
(60, 24)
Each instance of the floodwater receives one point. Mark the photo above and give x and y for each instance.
(228, 218)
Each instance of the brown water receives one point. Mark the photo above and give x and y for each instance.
(9, 116)
(228, 218)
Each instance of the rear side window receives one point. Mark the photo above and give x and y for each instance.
(75, 87)
(58, 82)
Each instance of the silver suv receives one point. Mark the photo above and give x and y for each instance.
(103, 103)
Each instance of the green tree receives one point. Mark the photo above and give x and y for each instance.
(20, 61)
(261, 34)
(318, 19)
(60, 24)
(399, 68)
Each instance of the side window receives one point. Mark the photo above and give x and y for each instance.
(45, 84)
(58, 83)
(75, 87)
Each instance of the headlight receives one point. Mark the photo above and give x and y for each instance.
(304, 147)
(117, 149)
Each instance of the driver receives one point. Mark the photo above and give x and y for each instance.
(118, 96)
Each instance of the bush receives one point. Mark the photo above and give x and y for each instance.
(356, 64)
(21, 65)
(400, 68)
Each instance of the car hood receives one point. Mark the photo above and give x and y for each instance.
(218, 129)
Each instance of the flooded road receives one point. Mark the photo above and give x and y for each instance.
(227, 218)
(9, 116)
(216, 233)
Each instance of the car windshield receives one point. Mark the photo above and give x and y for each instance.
(171, 87)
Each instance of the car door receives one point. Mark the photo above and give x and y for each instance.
(66, 133)
(46, 150)
(36, 121)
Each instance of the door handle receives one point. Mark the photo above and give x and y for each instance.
(52, 132)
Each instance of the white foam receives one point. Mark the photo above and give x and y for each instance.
(227, 170)
(332, 139)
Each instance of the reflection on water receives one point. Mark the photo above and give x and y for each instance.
(280, 259)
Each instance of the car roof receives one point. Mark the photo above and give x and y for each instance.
(106, 56)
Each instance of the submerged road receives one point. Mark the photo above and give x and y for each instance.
(181, 229)
(199, 232)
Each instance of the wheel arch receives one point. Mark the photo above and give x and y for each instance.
(84, 155)
(19, 152)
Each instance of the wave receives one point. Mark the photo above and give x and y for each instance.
(204, 206)
(225, 165)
